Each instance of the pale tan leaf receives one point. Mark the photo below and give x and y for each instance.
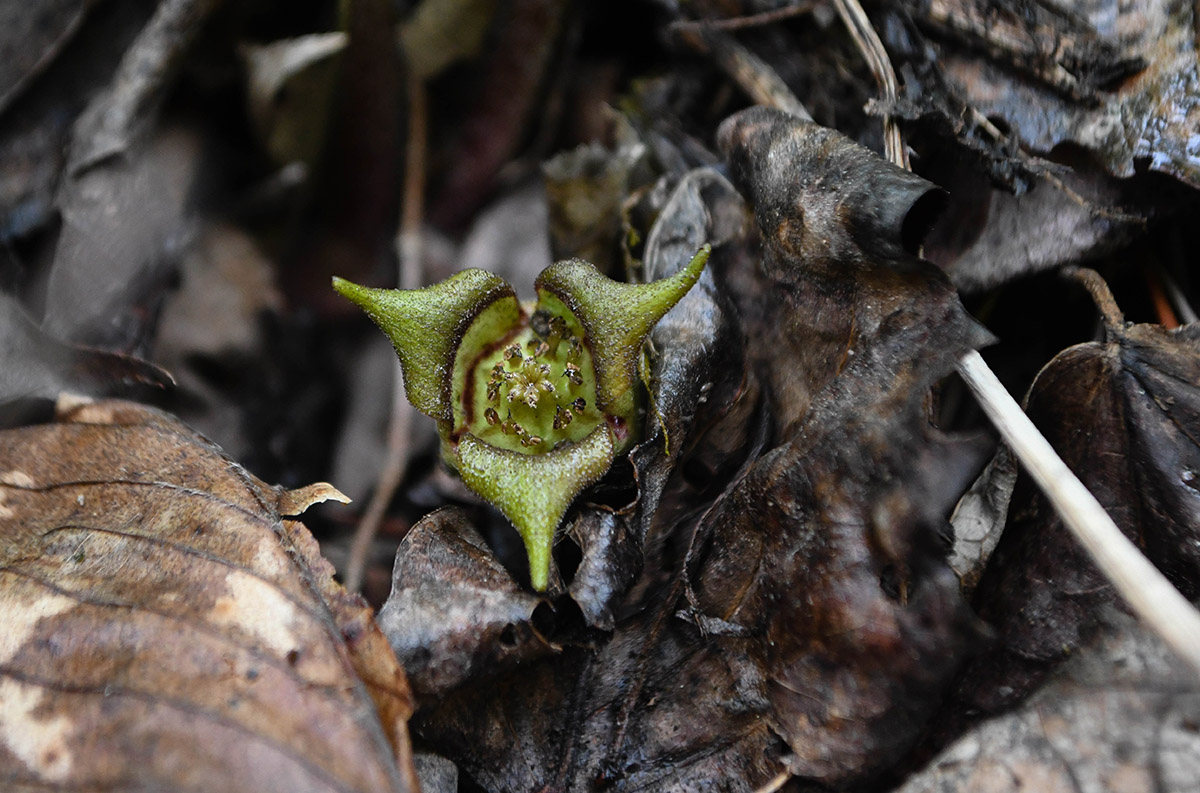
(165, 629)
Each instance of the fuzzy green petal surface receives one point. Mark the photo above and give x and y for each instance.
(534, 491)
(427, 325)
(616, 317)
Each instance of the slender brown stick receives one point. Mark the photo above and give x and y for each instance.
(752, 74)
(408, 245)
(881, 68)
(1102, 296)
(749, 20)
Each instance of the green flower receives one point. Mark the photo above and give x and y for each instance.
(533, 402)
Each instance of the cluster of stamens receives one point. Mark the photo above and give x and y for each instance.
(524, 378)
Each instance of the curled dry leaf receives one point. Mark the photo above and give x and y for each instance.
(165, 628)
(829, 551)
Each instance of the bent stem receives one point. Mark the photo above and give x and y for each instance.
(1153, 598)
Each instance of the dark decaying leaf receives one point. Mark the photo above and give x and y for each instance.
(125, 227)
(1122, 81)
(794, 612)
(107, 264)
(1125, 416)
(35, 131)
(166, 629)
(30, 41)
(990, 236)
(116, 121)
(454, 613)
(849, 509)
(35, 365)
(1028, 80)
(703, 395)
(842, 228)
(979, 518)
(611, 560)
(1120, 716)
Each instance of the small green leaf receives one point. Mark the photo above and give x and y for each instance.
(534, 490)
(427, 326)
(616, 319)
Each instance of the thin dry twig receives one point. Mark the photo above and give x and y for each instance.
(408, 248)
(1147, 591)
(749, 20)
(1101, 295)
(881, 68)
(751, 73)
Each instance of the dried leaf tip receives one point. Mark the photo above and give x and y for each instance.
(294, 502)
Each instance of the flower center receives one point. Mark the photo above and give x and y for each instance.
(536, 390)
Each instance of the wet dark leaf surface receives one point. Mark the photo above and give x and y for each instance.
(1119, 716)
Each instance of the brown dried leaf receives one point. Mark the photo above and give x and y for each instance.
(1121, 81)
(454, 613)
(1121, 716)
(166, 629)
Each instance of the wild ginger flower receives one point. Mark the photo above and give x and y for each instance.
(533, 402)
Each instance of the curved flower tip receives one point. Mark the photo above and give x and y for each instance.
(534, 491)
(426, 326)
(533, 403)
(616, 317)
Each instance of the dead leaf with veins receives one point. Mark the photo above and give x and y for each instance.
(165, 627)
